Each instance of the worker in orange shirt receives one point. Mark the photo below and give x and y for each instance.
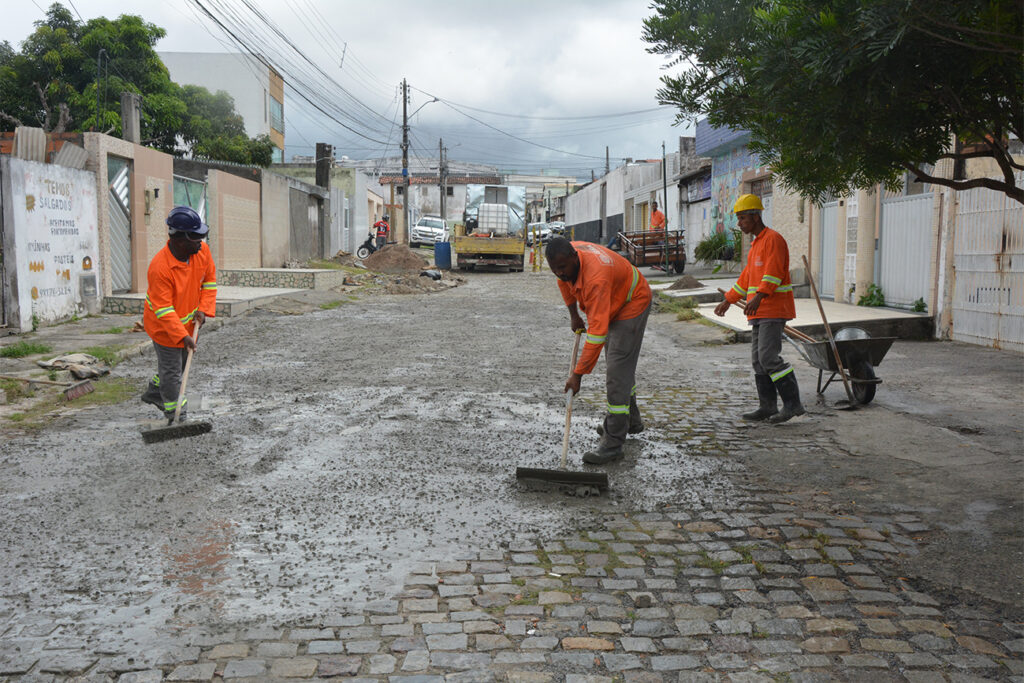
(765, 286)
(617, 300)
(180, 295)
(657, 218)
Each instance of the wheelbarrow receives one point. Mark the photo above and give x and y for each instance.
(860, 353)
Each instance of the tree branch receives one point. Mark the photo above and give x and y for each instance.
(46, 106)
(1009, 189)
(7, 117)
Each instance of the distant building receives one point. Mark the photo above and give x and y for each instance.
(257, 89)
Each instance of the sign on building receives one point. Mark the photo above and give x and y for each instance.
(52, 239)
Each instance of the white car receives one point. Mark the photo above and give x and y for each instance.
(541, 230)
(428, 230)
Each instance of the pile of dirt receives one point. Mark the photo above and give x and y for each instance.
(395, 259)
(408, 282)
(687, 282)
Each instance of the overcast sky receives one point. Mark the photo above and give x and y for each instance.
(527, 60)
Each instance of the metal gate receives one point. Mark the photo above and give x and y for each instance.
(988, 256)
(905, 249)
(118, 201)
(827, 277)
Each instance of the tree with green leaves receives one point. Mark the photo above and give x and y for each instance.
(839, 94)
(68, 75)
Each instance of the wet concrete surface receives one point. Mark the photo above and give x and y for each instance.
(350, 444)
(346, 444)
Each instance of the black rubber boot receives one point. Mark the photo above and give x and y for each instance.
(789, 390)
(767, 396)
(633, 429)
(602, 455)
(152, 396)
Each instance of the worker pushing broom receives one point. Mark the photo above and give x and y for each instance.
(617, 301)
(181, 294)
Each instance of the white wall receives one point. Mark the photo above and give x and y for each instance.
(51, 234)
(241, 76)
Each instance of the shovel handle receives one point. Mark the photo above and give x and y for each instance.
(568, 402)
(828, 333)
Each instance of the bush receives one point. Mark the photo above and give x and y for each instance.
(919, 306)
(717, 247)
(874, 297)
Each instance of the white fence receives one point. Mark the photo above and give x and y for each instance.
(905, 249)
(988, 297)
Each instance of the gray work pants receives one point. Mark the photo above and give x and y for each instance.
(766, 348)
(622, 351)
(381, 241)
(170, 363)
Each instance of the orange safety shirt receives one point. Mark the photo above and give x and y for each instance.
(767, 271)
(657, 220)
(176, 291)
(607, 288)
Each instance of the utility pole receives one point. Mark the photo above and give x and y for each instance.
(607, 166)
(440, 176)
(405, 161)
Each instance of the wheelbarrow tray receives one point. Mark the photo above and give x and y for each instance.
(853, 352)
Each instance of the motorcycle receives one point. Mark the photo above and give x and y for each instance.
(367, 247)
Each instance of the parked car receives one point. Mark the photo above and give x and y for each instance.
(557, 228)
(541, 230)
(428, 230)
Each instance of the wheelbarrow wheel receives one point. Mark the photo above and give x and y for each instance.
(863, 391)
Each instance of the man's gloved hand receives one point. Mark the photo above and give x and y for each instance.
(189, 342)
(573, 383)
(576, 321)
(200, 318)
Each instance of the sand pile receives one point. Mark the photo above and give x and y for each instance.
(687, 282)
(395, 258)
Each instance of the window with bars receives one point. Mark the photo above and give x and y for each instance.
(762, 187)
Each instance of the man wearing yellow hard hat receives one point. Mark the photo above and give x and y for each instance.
(765, 286)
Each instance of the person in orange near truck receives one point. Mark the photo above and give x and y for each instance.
(181, 294)
(617, 300)
(657, 217)
(765, 285)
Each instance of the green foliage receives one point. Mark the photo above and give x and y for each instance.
(685, 307)
(919, 306)
(23, 348)
(718, 247)
(330, 305)
(841, 93)
(874, 296)
(61, 66)
(107, 354)
(109, 330)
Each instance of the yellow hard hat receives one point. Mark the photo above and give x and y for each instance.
(748, 202)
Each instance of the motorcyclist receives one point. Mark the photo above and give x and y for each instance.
(382, 229)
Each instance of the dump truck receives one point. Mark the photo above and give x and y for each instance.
(494, 232)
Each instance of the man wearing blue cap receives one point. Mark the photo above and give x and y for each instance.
(181, 293)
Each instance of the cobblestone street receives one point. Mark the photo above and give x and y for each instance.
(693, 569)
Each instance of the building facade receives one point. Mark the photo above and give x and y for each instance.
(258, 90)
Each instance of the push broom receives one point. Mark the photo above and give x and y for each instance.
(72, 390)
(181, 429)
(562, 476)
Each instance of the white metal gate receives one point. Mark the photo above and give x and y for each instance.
(766, 215)
(988, 257)
(905, 249)
(118, 201)
(827, 278)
